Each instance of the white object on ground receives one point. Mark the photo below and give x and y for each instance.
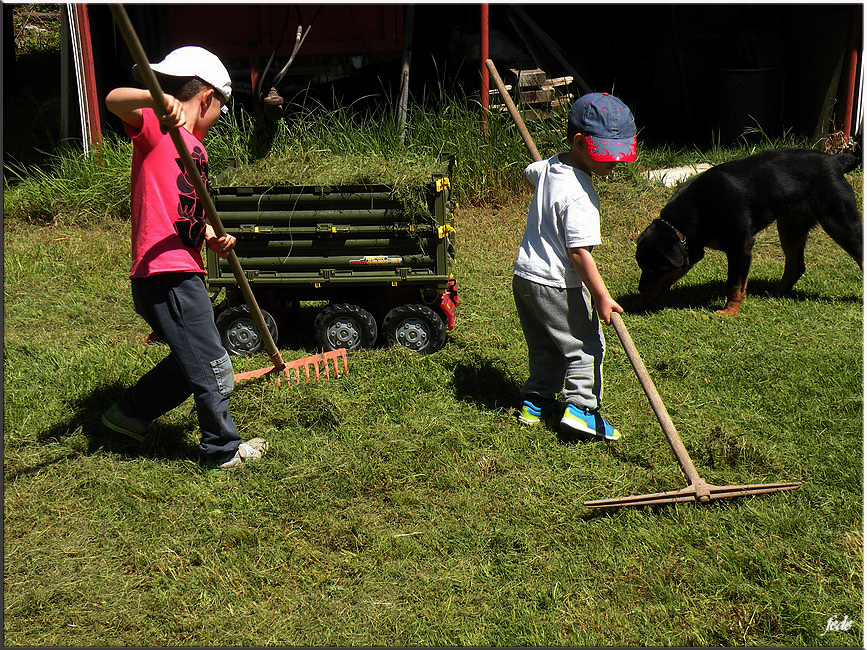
(675, 175)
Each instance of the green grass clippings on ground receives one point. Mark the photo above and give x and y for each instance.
(403, 504)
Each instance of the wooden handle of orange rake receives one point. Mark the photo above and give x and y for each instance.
(656, 404)
(138, 54)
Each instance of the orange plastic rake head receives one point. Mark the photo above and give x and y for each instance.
(306, 364)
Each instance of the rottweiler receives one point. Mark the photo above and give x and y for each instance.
(725, 208)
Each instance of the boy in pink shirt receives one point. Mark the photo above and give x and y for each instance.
(167, 273)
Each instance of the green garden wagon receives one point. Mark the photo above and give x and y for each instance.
(384, 267)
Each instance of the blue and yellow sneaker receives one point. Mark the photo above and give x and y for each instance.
(589, 423)
(533, 413)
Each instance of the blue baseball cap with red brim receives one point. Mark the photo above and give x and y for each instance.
(607, 125)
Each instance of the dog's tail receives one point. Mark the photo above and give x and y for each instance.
(848, 162)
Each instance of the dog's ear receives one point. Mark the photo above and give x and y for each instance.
(659, 246)
(674, 251)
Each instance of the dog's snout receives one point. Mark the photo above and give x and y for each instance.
(652, 285)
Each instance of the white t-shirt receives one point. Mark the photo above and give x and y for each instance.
(564, 214)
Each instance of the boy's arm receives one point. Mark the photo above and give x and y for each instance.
(585, 265)
(220, 245)
(127, 104)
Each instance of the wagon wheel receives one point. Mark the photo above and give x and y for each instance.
(344, 325)
(238, 331)
(415, 326)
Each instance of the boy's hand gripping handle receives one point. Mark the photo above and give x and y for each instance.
(138, 54)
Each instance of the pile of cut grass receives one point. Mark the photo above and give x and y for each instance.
(407, 174)
(407, 170)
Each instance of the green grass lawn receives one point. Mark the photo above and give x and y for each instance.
(403, 504)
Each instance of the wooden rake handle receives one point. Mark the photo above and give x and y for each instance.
(138, 54)
(653, 397)
(513, 111)
(659, 410)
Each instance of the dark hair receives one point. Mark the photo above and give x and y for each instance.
(571, 132)
(182, 88)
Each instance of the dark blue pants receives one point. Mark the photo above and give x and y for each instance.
(177, 307)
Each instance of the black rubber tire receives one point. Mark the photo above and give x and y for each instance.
(344, 325)
(415, 326)
(238, 331)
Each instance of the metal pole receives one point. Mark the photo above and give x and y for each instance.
(851, 72)
(75, 43)
(409, 20)
(88, 73)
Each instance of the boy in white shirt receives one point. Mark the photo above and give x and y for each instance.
(560, 297)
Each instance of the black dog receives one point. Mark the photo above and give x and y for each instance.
(726, 206)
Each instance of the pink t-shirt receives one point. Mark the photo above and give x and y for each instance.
(168, 220)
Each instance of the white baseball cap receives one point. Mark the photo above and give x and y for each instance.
(192, 61)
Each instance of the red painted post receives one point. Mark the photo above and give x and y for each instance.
(852, 68)
(483, 46)
(92, 97)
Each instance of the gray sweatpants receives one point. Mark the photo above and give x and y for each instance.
(564, 341)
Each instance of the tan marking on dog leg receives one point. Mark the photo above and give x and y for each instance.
(735, 298)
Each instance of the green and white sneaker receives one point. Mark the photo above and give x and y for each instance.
(589, 423)
(248, 451)
(135, 428)
(534, 412)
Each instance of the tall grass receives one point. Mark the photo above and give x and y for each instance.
(77, 187)
(73, 188)
(313, 141)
